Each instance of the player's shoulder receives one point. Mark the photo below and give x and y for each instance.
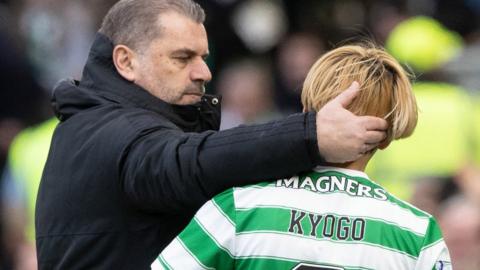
(367, 188)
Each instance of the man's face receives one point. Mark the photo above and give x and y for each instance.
(173, 66)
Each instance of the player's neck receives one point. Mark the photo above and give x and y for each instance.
(358, 165)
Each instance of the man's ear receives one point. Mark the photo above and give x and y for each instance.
(123, 59)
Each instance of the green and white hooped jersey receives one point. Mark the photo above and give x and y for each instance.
(329, 218)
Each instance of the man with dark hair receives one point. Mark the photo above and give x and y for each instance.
(136, 151)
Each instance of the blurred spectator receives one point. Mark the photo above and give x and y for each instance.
(22, 99)
(260, 18)
(468, 181)
(246, 88)
(460, 16)
(476, 127)
(96, 10)
(460, 223)
(224, 43)
(424, 43)
(426, 194)
(22, 103)
(464, 69)
(384, 16)
(58, 35)
(294, 58)
(21, 179)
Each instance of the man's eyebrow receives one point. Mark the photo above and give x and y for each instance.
(188, 52)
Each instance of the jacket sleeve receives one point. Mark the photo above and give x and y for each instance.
(169, 170)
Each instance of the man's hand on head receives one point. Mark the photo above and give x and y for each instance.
(343, 136)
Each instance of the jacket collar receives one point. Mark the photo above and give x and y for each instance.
(100, 75)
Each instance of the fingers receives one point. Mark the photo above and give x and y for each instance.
(347, 96)
(375, 137)
(374, 123)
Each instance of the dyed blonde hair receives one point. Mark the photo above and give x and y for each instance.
(385, 88)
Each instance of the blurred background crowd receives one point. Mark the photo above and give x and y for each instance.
(261, 51)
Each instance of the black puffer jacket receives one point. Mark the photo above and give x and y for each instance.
(126, 171)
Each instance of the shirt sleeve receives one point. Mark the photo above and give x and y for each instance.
(434, 254)
(208, 242)
(443, 261)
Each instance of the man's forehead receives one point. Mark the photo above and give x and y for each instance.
(178, 32)
(184, 46)
(172, 21)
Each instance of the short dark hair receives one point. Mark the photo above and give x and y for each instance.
(133, 22)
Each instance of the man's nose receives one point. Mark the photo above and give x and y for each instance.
(200, 72)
